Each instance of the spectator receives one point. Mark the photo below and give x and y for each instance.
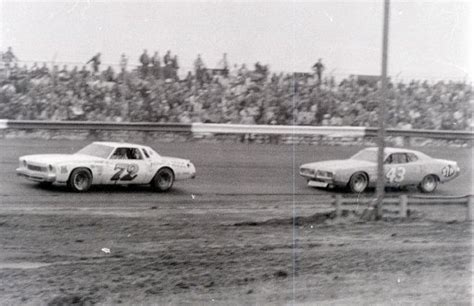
(223, 65)
(95, 62)
(243, 71)
(9, 58)
(109, 74)
(175, 67)
(145, 61)
(189, 80)
(123, 63)
(167, 58)
(260, 72)
(199, 69)
(318, 69)
(156, 65)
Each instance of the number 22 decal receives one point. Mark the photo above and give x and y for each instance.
(396, 174)
(131, 174)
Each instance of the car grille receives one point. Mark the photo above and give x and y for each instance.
(37, 168)
(324, 174)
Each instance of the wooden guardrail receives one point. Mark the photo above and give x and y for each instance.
(403, 201)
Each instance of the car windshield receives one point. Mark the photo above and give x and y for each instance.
(366, 155)
(97, 150)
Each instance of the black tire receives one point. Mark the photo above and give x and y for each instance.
(358, 182)
(80, 180)
(163, 180)
(428, 184)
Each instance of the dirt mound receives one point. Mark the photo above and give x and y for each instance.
(325, 218)
(317, 218)
(72, 299)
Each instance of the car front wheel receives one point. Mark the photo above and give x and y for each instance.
(80, 180)
(163, 180)
(358, 182)
(428, 184)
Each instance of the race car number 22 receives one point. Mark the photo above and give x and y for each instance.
(130, 169)
(396, 174)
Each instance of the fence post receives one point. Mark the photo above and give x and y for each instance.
(470, 208)
(403, 206)
(338, 204)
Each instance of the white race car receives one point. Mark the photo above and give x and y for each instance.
(107, 163)
(402, 168)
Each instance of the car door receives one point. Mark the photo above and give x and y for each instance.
(127, 165)
(414, 169)
(400, 169)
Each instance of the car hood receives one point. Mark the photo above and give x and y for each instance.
(59, 158)
(446, 161)
(334, 165)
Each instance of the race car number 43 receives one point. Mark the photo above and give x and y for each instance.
(396, 174)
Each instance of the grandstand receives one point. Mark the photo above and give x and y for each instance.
(242, 96)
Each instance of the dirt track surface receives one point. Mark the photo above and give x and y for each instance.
(232, 236)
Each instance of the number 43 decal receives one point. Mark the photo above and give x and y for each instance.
(396, 174)
(131, 169)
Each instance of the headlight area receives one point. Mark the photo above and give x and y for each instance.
(308, 172)
(37, 172)
(326, 175)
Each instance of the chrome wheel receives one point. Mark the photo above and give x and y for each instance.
(163, 180)
(80, 180)
(358, 182)
(428, 184)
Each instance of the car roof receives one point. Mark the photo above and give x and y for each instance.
(119, 144)
(390, 150)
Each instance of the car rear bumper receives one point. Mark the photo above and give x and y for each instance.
(36, 176)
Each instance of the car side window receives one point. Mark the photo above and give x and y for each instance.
(402, 158)
(126, 153)
(146, 154)
(396, 158)
(135, 154)
(120, 153)
(412, 157)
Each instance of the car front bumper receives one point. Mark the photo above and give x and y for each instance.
(36, 176)
(323, 183)
(315, 179)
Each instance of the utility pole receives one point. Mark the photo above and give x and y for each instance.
(381, 114)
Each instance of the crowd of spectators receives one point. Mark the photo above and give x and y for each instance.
(227, 94)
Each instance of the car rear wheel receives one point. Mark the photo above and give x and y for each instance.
(358, 182)
(428, 184)
(163, 180)
(80, 180)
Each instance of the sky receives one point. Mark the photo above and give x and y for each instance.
(427, 39)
